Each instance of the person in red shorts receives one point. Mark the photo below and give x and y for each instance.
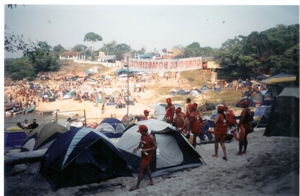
(195, 123)
(146, 114)
(244, 121)
(170, 111)
(220, 124)
(147, 145)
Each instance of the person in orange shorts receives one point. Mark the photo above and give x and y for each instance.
(195, 123)
(220, 124)
(147, 145)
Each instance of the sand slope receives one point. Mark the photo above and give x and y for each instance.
(271, 167)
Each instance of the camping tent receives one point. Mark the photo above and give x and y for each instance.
(280, 78)
(257, 98)
(263, 120)
(205, 88)
(81, 157)
(111, 127)
(174, 151)
(250, 102)
(183, 92)
(195, 92)
(284, 116)
(42, 136)
(160, 110)
(14, 136)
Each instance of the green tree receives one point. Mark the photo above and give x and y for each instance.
(79, 48)
(93, 38)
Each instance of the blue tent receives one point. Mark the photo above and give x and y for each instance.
(111, 127)
(82, 157)
(183, 92)
(259, 112)
(250, 102)
(205, 88)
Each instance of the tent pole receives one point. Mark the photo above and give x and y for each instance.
(127, 123)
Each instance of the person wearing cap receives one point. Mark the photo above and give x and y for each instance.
(146, 114)
(195, 123)
(147, 145)
(180, 121)
(170, 111)
(220, 126)
(246, 124)
(34, 125)
(68, 124)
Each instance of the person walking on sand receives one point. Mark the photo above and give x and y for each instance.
(147, 145)
(244, 121)
(220, 124)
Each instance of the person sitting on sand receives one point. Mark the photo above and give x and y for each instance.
(220, 124)
(147, 145)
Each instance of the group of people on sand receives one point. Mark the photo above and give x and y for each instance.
(188, 122)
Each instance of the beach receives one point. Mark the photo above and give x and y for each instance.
(270, 167)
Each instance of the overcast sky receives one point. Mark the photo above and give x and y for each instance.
(148, 26)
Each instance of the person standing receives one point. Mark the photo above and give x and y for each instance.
(244, 121)
(188, 107)
(147, 145)
(146, 114)
(170, 111)
(195, 123)
(220, 125)
(180, 121)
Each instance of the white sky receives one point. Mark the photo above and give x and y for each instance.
(152, 26)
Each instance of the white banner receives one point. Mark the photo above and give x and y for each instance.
(168, 65)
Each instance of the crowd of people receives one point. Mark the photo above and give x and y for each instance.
(190, 123)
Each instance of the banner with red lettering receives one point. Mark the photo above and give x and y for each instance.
(168, 65)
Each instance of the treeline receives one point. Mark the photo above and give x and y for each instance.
(269, 52)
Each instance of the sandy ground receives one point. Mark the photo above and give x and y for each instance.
(270, 167)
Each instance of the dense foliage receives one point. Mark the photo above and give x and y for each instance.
(29, 67)
(269, 52)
